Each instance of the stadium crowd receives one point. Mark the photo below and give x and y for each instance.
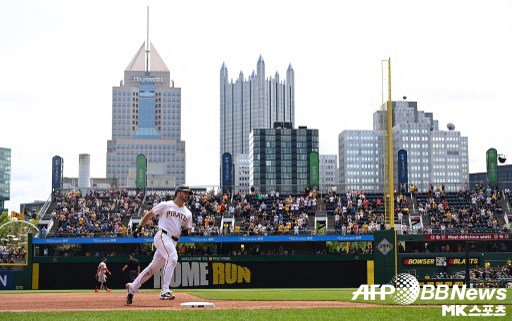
(108, 212)
(492, 273)
(358, 213)
(463, 211)
(443, 275)
(12, 254)
(270, 214)
(98, 212)
(207, 210)
(254, 214)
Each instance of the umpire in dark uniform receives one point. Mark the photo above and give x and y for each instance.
(133, 267)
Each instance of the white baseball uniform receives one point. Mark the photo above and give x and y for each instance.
(170, 222)
(102, 274)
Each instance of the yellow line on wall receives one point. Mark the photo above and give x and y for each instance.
(370, 272)
(35, 276)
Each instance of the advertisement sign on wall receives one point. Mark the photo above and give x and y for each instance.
(227, 169)
(492, 165)
(57, 166)
(216, 274)
(6, 280)
(142, 163)
(314, 169)
(402, 167)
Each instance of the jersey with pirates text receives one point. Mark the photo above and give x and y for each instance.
(172, 217)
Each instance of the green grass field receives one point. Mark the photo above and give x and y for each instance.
(380, 314)
(421, 310)
(343, 295)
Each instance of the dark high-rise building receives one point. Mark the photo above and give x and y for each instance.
(279, 158)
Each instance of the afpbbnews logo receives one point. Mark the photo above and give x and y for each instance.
(405, 289)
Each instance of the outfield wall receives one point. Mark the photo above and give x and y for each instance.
(421, 264)
(251, 271)
(300, 271)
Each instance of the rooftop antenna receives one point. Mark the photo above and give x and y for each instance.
(147, 42)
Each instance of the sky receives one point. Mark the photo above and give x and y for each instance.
(60, 59)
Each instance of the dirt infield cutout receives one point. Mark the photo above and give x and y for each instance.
(46, 302)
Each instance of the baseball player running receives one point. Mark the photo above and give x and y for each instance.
(101, 275)
(173, 219)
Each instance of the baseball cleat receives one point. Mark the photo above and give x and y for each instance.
(167, 296)
(129, 297)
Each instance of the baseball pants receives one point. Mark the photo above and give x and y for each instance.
(132, 275)
(165, 257)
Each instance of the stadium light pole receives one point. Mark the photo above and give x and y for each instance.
(390, 153)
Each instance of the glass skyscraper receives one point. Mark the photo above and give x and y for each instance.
(5, 175)
(279, 158)
(146, 119)
(253, 103)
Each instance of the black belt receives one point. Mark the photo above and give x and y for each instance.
(174, 238)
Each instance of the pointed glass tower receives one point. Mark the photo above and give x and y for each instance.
(146, 119)
(253, 103)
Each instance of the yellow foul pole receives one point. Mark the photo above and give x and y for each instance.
(390, 152)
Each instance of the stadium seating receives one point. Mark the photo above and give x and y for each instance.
(112, 212)
(105, 212)
(463, 211)
(360, 213)
(267, 214)
(10, 254)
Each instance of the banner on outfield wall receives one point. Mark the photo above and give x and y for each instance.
(466, 237)
(314, 169)
(492, 165)
(439, 261)
(57, 172)
(6, 280)
(142, 163)
(206, 239)
(402, 167)
(216, 275)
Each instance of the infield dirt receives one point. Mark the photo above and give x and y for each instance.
(28, 302)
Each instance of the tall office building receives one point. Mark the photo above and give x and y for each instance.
(146, 119)
(279, 158)
(5, 176)
(328, 172)
(360, 160)
(434, 156)
(241, 173)
(253, 103)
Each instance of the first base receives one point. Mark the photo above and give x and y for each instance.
(193, 305)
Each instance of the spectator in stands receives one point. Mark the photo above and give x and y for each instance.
(98, 212)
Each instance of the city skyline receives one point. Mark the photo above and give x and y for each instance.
(59, 67)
